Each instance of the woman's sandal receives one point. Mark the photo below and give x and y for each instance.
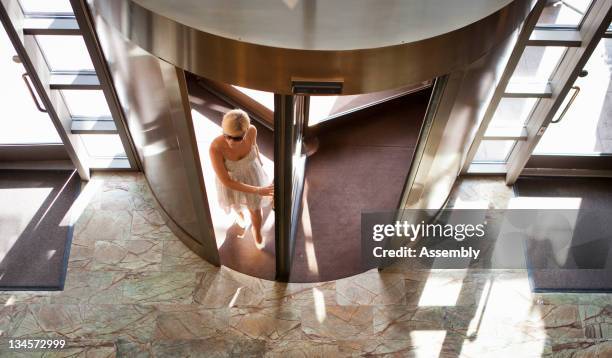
(260, 246)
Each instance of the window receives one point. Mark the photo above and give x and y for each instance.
(86, 103)
(46, 7)
(538, 63)
(494, 151)
(65, 53)
(564, 13)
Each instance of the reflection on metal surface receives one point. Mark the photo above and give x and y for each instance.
(153, 95)
(452, 120)
(290, 112)
(325, 25)
(363, 70)
(111, 102)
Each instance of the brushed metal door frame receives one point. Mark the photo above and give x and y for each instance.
(452, 120)
(154, 98)
(83, 17)
(290, 118)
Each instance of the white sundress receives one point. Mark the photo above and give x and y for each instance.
(247, 170)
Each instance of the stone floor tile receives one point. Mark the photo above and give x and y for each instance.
(397, 322)
(577, 349)
(212, 347)
(597, 321)
(160, 288)
(221, 287)
(337, 322)
(270, 323)
(301, 349)
(8, 298)
(445, 288)
(52, 320)
(129, 256)
(132, 322)
(150, 224)
(94, 225)
(175, 322)
(178, 257)
(11, 317)
(85, 287)
(298, 294)
(562, 322)
(371, 289)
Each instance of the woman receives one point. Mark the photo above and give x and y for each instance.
(241, 179)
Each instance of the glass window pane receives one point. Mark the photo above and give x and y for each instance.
(586, 127)
(538, 63)
(65, 53)
(496, 151)
(20, 122)
(103, 145)
(46, 6)
(566, 13)
(513, 112)
(266, 99)
(323, 108)
(86, 103)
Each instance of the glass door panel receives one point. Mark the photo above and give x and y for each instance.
(21, 121)
(494, 151)
(265, 99)
(65, 53)
(90, 103)
(586, 126)
(512, 112)
(564, 13)
(568, 128)
(538, 63)
(103, 146)
(324, 108)
(46, 7)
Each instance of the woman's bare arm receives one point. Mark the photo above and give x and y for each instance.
(219, 167)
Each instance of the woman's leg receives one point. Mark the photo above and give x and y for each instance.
(240, 219)
(256, 219)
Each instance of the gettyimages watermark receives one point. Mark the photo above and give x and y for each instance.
(488, 239)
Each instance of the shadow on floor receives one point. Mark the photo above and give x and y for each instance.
(35, 231)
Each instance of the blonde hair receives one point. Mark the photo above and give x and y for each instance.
(235, 122)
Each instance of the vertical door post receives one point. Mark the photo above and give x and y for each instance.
(289, 162)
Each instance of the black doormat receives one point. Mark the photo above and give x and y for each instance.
(35, 230)
(589, 252)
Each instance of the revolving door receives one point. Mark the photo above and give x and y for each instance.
(349, 154)
(344, 135)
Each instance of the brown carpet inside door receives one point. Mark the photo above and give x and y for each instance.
(361, 164)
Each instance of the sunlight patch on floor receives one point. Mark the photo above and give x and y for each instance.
(31, 197)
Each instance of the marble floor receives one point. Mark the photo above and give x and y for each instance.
(134, 290)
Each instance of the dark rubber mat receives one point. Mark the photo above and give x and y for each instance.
(35, 231)
(589, 257)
